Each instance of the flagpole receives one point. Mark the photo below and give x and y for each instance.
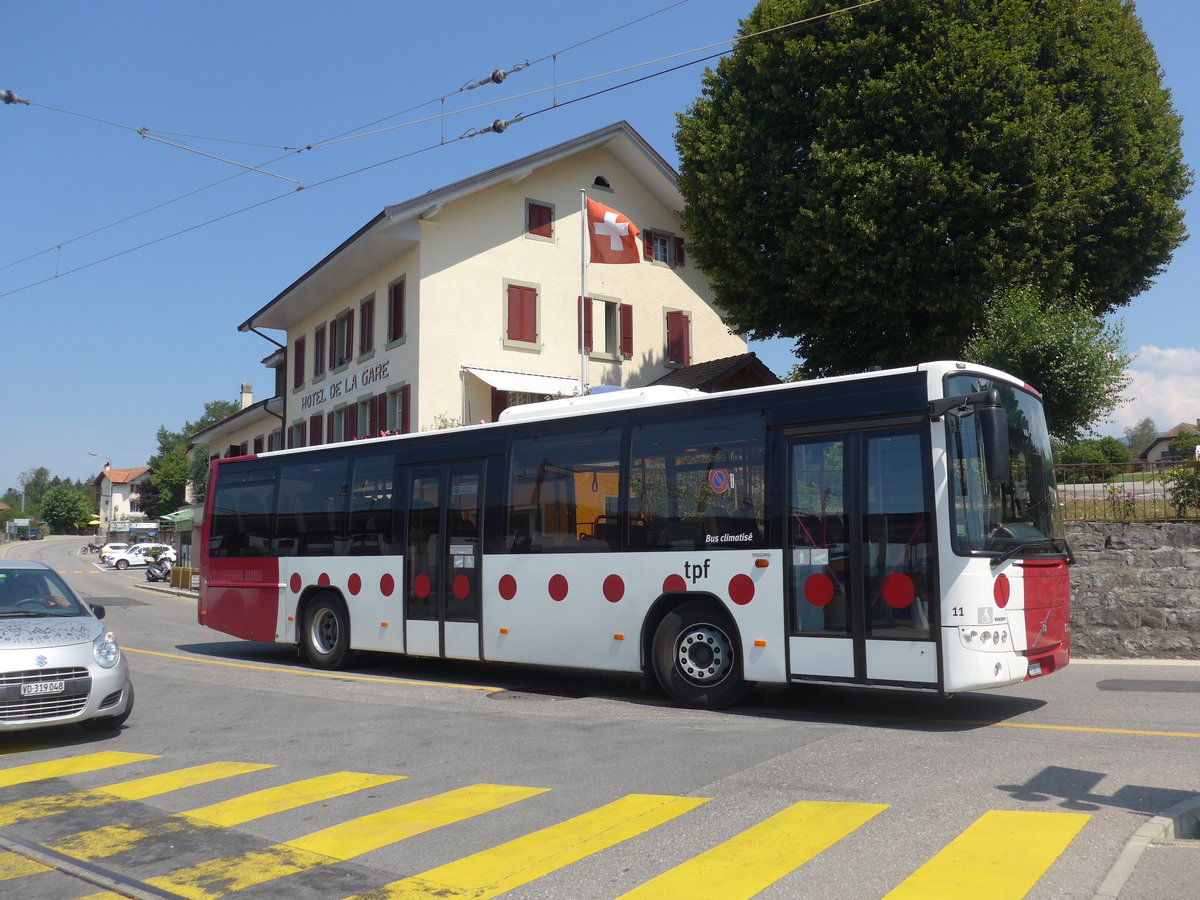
(583, 248)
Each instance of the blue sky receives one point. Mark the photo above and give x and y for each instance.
(110, 332)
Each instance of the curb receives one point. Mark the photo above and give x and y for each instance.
(1165, 826)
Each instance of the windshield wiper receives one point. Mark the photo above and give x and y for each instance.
(25, 614)
(1017, 548)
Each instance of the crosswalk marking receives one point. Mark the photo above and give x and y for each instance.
(73, 765)
(215, 878)
(749, 862)
(110, 840)
(1002, 852)
(517, 862)
(135, 789)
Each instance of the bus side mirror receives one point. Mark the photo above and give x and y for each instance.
(993, 426)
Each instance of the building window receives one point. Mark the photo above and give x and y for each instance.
(663, 247)
(341, 339)
(679, 338)
(298, 363)
(398, 410)
(395, 325)
(521, 315)
(319, 352)
(607, 328)
(366, 325)
(539, 219)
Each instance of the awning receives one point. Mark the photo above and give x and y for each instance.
(526, 383)
(179, 516)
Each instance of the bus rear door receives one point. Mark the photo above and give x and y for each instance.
(443, 559)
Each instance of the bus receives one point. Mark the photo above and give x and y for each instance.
(893, 529)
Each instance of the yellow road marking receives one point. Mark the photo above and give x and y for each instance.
(215, 878)
(72, 765)
(136, 789)
(750, 862)
(13, 865)
(1002, 852)
(335, 675)
(518, 862)
(110, 840)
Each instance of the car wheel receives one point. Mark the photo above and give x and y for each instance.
(696, 656)
(326, 634)
(122, 564)
(110, 723)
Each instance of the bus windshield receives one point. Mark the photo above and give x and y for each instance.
(995, 517)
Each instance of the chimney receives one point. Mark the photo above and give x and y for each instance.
(247, 394)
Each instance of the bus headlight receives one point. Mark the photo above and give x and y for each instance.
(105, 648)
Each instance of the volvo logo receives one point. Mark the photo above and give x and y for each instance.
(41, 660)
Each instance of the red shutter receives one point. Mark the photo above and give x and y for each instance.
(379, 417)
(349, 335)
(679, 349)
(648, 245)
(396, 312)
(302, 440)
(319, 350)
(539, 220)
(314, 429)
(366, 336)
(351, 422)
(679, 258)
(627, 331)
(585, 335)
(298, 367)
(402, 415)
(333, 345)
(522, 314)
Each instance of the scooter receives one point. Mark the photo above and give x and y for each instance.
(159, 570)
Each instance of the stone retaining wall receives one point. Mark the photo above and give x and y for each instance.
(1135, 590)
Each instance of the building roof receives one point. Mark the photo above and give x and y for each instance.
(396, 229)
(743, 370)
(1181, 428)
(122, 476)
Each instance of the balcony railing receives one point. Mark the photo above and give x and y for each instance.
(1130, 492)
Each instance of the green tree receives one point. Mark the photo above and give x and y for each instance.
(170, 469)
(1059, 347)
(1140, 436)
(866, 183)
(63, 507)
(1185, 443)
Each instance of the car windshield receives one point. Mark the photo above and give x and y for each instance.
(25, 592)
(1022, 513)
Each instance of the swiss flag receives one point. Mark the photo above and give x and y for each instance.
(612, 235)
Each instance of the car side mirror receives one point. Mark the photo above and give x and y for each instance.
(97, 610)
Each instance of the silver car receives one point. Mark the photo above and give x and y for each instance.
(58, 663)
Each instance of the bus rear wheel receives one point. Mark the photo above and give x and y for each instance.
(696, 659)
(326, 633)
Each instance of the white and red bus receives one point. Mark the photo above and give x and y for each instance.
(895, 529)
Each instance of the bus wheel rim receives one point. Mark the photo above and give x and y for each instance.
(704, 655)
(325, 631)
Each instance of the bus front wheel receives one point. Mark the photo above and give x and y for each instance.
(696, 658)
(326, 634)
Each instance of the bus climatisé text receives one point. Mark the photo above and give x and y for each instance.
(897, 529)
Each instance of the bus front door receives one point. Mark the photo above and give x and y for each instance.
(863, 593)
(442, 561)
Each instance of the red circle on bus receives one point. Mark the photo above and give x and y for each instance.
(421, 586)
(354, 585)
(296, 582)
(614, 588)
(818, 589)
(1001, 590)
(741, 589)
(508, 587)
(387, 584)
(898, 590)
(461, 586)
(323, 579)
(673, 584)
(558, 588)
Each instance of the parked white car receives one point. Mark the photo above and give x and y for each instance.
(58, 663)
(138, 555)
(109, 549)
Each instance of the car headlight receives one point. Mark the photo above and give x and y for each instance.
(108, 654)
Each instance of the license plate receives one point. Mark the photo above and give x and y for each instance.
(43, 687)
(1035, 669)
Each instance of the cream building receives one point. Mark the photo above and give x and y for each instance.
(449, 307)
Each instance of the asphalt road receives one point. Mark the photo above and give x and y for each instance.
(549, 783)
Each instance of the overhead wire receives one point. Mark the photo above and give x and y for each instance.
(472, 133)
